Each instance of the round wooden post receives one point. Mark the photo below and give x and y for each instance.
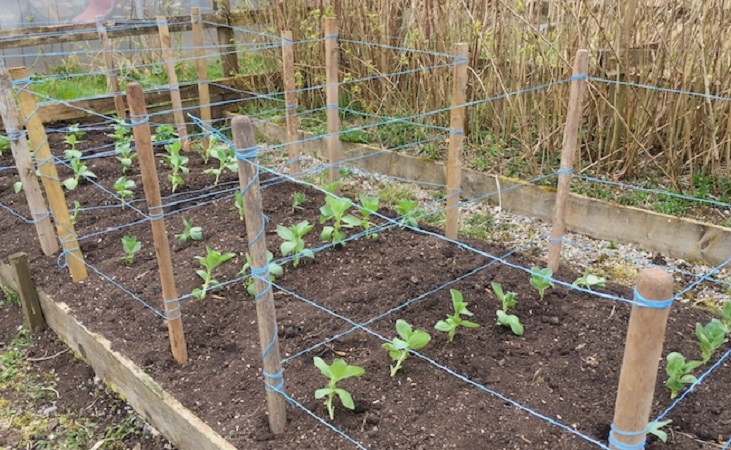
(332, 57)
(143, 142)
(568, 154)
(226, 39)
(642, 352)
(456, 140)
(169, 60)
(24, 163)
(290, 100)
(204, 95)
(112, 80)
(243, 133)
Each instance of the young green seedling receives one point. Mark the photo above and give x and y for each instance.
(336, 372)
(71, 153)
(189, 232)
(213, 259)
(17, 186)
(298, 199)
(590, 281)
(275, 270)
(508, 301)
(239, 203)
(293, 241)
(124, 188)
(226, 160)
(125, 154)
(540, 279)
(80, 170)
(75, 212)
(368, 206)
(76, 131)
(332, 187)
(656, 428)
(407, 210)
(678, 371)
(164, 133)
(725, 312)
(131, 247)
(409, 339)
(710, 337)
(455, 320)
(334, 209)
(213, 143)
(4, 144)
(177, 164)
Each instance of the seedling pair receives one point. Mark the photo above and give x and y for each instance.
(177, 164)
(209, 262)
(503, 318)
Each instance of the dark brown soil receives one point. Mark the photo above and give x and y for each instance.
(565, 367)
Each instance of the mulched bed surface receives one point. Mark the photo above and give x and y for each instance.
(565, 367)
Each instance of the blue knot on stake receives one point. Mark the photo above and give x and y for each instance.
(270, 346)
(331, 36)
(246, 153)
(460, 60)
(329, 106)
(658, 304)
(137, 119)
(15, 135)
(555, 240)
(568, 171)
(169, 313)
(614, 432)
(580, 76)
(157, 215)
(62, 260)
(455, 131)
(291, 106)
(21, 82)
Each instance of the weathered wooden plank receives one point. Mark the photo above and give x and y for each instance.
(59, 34)
(671, 236)
(178, 424)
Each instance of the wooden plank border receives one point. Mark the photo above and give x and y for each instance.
(675, 237)
(177, 423)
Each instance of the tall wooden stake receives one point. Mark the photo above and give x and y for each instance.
(332, 57)
(26, 170)
(143, 142)
(226, 39)
(27, 292)
(456, 140)
(243, 134)
(169, 59)
(642, 352)
(112, 80)
(290, 100)
(568, 154)
(49, 176)
(204, 95)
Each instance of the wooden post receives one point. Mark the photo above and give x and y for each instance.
(226, 39)
(456, 140)
(243, 134)
(112, 80)
(27, 292)
(26, 171)
(49, 176)
(332, 54)
(568, 154)
(169, 59)
(290, 100)
(642, 352)
(143, 142)
(204, 95)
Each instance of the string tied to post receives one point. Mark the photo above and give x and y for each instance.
(16, 135)
(652, 304)
(247, 153)
(331, 36)
(614, 432)
(138, 119)
(567, 171)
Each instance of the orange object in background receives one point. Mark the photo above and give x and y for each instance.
(95, 8)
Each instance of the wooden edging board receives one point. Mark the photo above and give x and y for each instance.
(671, 236)
(177, 423)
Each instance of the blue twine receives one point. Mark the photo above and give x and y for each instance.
(661, 89)
(15, 135)
(290, 106)
(567, 171)
(557, 240)
(331, 36)
(137, 119)
(460, 60)
(614, 432)
(652, 304)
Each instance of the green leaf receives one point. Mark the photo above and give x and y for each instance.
(322, 393)
(443, 326)
(345, 398)
(322, 365)
(17, 186)
(468, 324)
(403, 329)
(418, 340)
(655, 428)
(70, 184)
(327, 233)
(196, 233)
(285, 233)
(287, 247)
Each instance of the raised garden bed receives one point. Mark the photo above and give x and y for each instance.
(565, 367)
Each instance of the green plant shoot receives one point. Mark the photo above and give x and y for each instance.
(455, 320)
(368, 206)
(508, 301)
(275, 270)
(75, 212)
(164, 133)
(334, 209)
(124, 189)
(590, 281)
(710, 337)
(678, 371)
(131, 247)
(125, 154)
(408, 211)
(725, 312)
(239, 203)
(656, 429)
(294, 243)
(4, 144)
(177, 164)
(540, 279)
(409, 339)
(298, 199)
(226, 160)
(212, 260)
(189, 232)
(336, 372)
(332, 187)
